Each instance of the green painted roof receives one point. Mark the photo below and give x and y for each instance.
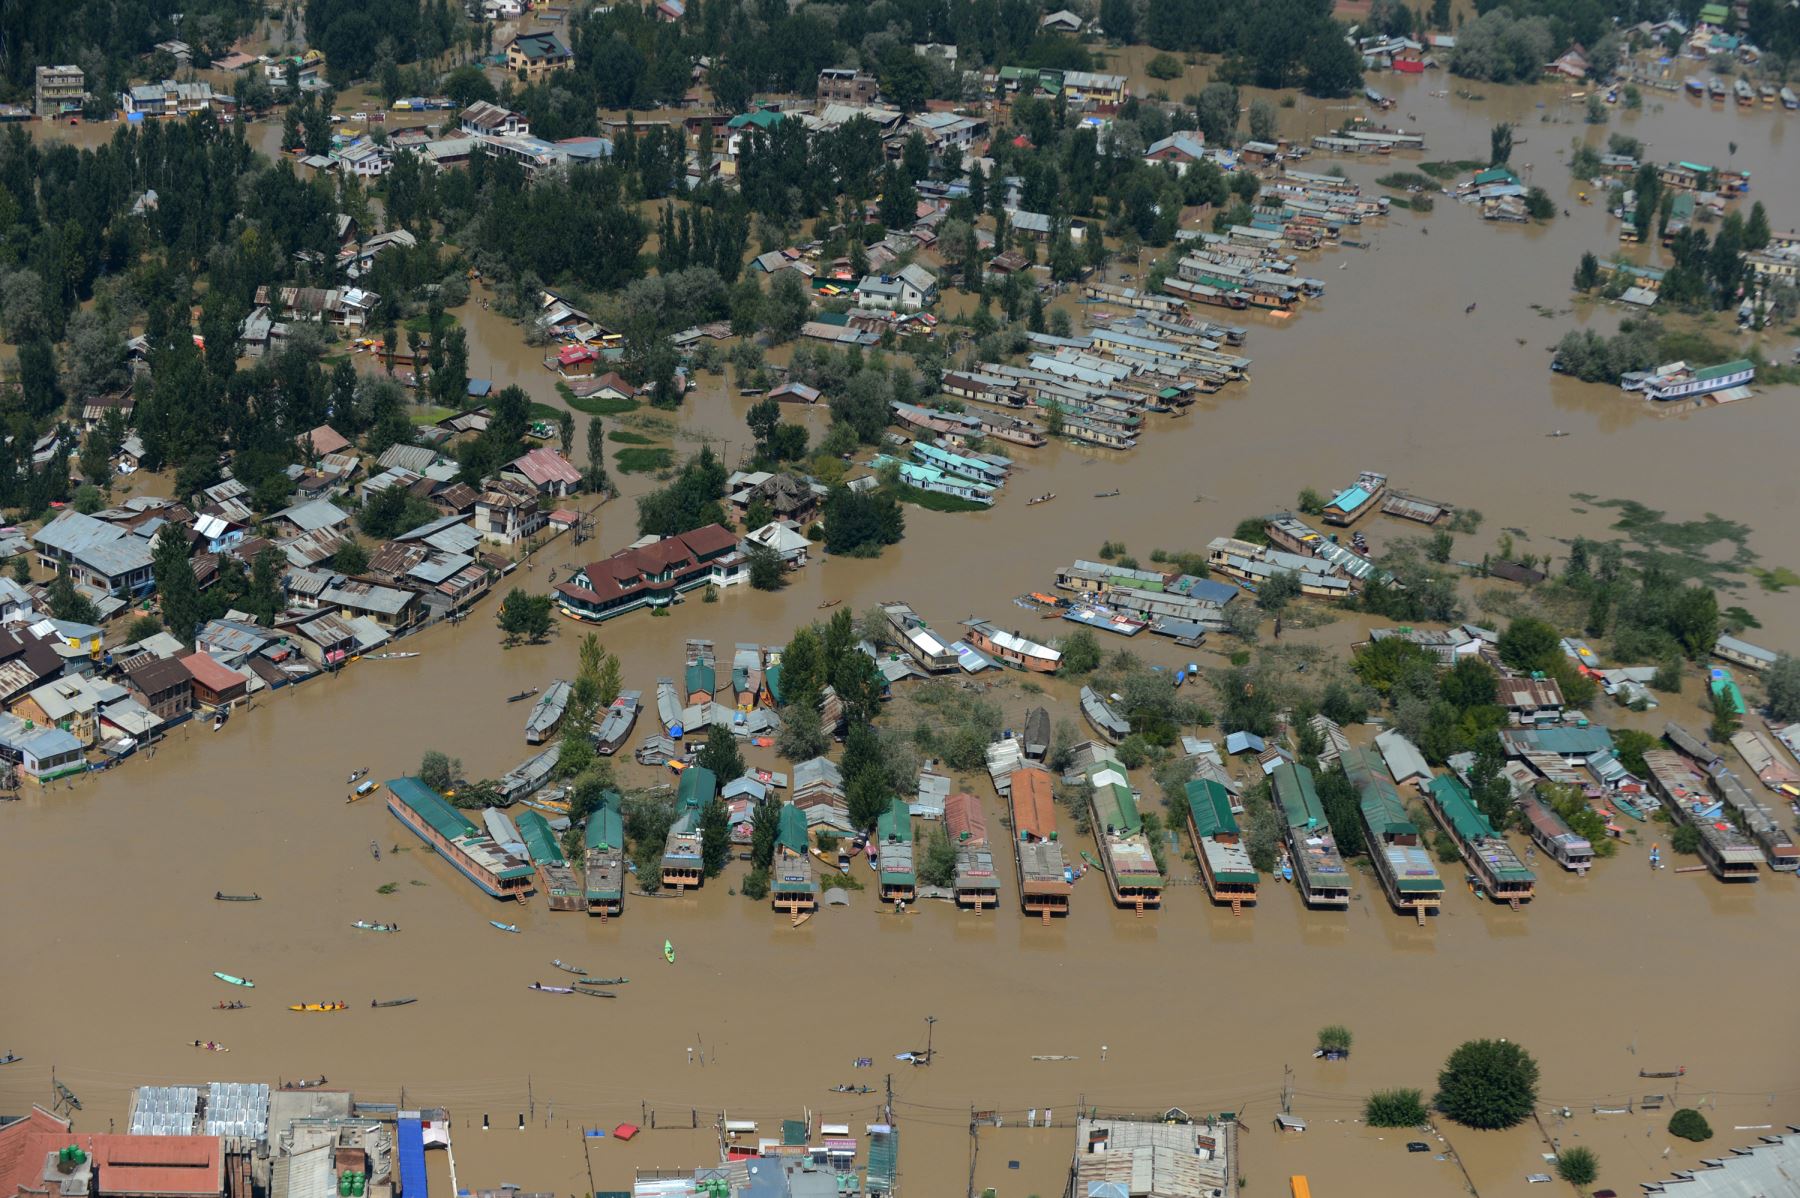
(762, 118)
(1209, 805)
(1724, 368)
(772, 680)
(1113, 803)
(895, 823)
(1729, 689)
(1452, 798)
(1382, 808)
(431, 807)
(540, 841)
(1298, 798)
(698, 784)
(792, 831)
(606, 826)
(701, 677)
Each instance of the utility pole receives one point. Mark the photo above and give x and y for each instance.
(1287, 1090)
(888, 1106)
(930, 1025)
(530, 1099)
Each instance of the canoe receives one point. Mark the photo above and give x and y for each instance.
(231, 1006)
(210, 1047)
(568, 968)
(222, 897)
(603, 981)
(504, 927)
(522, 696)
(1628, 807)
(551, 989)
(595, 993)
(318, 1006)
(391, 1002)
(366, 926)
(801, 918)
(356, 776)
(1089, 858)
(669, 951)
(234, 980)
(11, 1058)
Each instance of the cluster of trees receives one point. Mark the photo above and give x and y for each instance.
(1502, 47)
(185, 608)
(1594, 357)
(1710, 272)
(1283, 43)
(361, 38)
(819, 656)
(1651, 614)
(690, 501)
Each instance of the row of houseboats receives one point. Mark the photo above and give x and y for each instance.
(1747, 95)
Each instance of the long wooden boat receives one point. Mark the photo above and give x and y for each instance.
(366, 926)
(595, 993)
(603, 981)
(222, 897)
(551, 989)
(230, 1006)
(318, 1006)
(233, 980)
(304, 1084)
(504, 927)
(391, 1002)
(522, 695)
(11, 1058)
(563, 965)
(210, 1046)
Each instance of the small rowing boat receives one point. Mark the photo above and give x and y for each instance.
(211, 1046)
(230, 1006)
(552, 989)
(356, 776)
(375, 850)
(1628, 807)
(365, 926)
(603, 981)
(391, 1002)
(221, 896)
(522, 695)
(1681, 1072)
(843, 1089)
(504, 927)
(11, 1058)
(1106, 494)
(1089, 858)
(1044, 498)
(363, 791)
(318, 1006)
(669, 951)
(304, 1085)
(830, 603)
(801, 918)
(231, 979)
(595, 993)
(1055, 1058)
(392, 656)
(568, 968)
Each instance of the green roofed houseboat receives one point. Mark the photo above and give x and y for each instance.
(555, 879)
(605, 858)
(1401, 859)
(1131, 869)
(1224, 862)
(894, 853)
(452, 836)
(1318, 869)
(1490, 858)
(791, 885)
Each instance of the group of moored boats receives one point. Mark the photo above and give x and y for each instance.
(1746, 94)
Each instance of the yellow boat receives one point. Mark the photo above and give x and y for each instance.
(318, 1006)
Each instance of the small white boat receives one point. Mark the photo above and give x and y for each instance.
(504, 927)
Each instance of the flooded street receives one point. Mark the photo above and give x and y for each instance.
(112, 938)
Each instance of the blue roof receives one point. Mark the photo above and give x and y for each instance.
(1243, 742)
(1350, 498)
(480, 387)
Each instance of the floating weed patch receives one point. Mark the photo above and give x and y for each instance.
(1711, 550)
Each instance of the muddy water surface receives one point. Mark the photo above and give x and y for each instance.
(115, 931)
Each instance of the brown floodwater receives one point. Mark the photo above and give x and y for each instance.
(113, 938)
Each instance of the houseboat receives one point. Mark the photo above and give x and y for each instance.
(1044, 877)
(1743, 653)
(747, 676)
(530, 775)
(556, 881)
(700, 674)
(1224, 862)
(1767, 763)
(1201, 293)
(1402, 861)
(1492, 861)
(791, 885)
(1100, 716)
(1730, 855)
(1678, 380)
(1746, 95)
(931, 651)
(976, 884)
(668, 706)
(1789, 100)
(1350, 504)
(1009, 648)
(451, 835)
(1716, 90)
(1312, 850)
(1696, 86)
(604, 863)
(1551, 833)
(547, 713)
(1754, 818)
(1131, 871)
(682, 865)
(1766, 93)
(893, 853)
(614, 728)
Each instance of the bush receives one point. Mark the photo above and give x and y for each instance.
(755, 885)
(1577, 1166)
(1690, 1124)
(1335, 1037)
(1163, 66)
(1686, 840)
(1394, 1108)
(1488, 1084)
